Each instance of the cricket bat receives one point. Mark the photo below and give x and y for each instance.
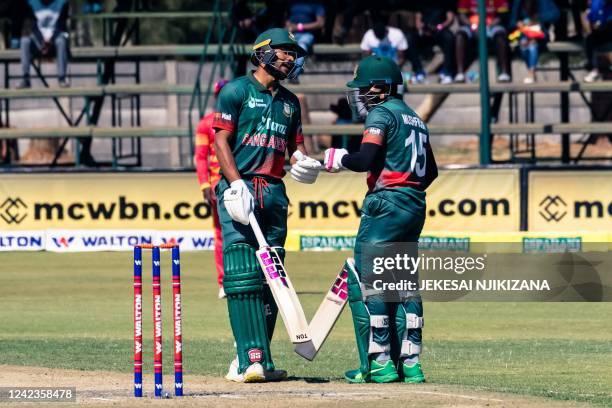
(281, 287)
(326, 315)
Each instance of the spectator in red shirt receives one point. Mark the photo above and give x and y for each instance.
(467, 35)
(207, 169)
(531, 30)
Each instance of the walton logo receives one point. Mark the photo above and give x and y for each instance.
(172, 240)
(13, 210)
(63, 242)
(553, 208)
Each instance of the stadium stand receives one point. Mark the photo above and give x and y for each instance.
(218, 50)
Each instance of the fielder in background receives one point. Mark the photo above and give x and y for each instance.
(395, 150)
(207, 169)
(257, 123)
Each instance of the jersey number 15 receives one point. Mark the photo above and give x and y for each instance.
(418, 152)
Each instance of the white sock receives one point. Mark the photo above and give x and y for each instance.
(383, 358)
(410, 361)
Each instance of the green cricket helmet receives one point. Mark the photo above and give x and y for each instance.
(372, 71)
(376, 70)
(277, 38)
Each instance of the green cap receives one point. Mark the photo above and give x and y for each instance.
(277, 38)
(375, 69)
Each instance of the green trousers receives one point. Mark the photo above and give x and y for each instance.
(389, 217)
(271, 209)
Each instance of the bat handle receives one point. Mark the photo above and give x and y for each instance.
(261, 240)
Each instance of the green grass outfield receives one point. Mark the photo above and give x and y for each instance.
(75, 311)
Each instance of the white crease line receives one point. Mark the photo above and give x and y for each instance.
(334, 394)
(458, 395)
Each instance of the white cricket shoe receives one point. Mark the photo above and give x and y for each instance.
(254, 373)
(233, 375)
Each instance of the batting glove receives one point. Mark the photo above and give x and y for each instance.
(238, 201)
(333, 159)
(306, 169)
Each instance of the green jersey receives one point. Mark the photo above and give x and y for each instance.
(262, 123)
(405, 159)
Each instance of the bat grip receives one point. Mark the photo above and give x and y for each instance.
(261, 240)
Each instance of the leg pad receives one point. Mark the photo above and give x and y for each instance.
(244, 288)
(409, 322)
(361, 318)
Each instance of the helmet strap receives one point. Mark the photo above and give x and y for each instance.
(375, 96)
(266, 55)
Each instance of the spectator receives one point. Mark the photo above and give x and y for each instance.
(49, 34)
(349, 9)
(385, 41)
(467, 35)
(81, 28)
(433, 24)
(306, 19)
(577, 8)
(599, 17)
(250, 24)
(531, 24)
(332, 11)
(15, 10)
(243, 19)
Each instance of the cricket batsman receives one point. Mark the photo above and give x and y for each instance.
(257, 123)
(396, 153)
(207, 170)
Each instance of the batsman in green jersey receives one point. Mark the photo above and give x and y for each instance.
(257, 122)
(396, 153)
